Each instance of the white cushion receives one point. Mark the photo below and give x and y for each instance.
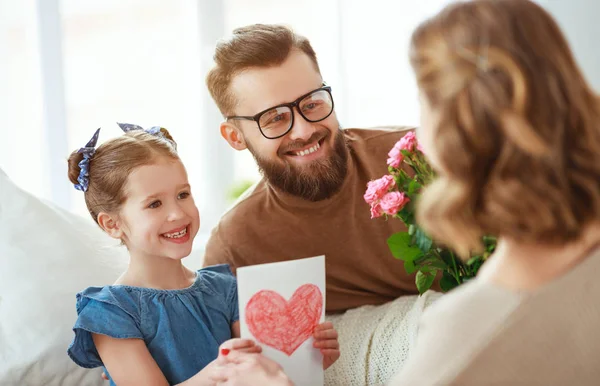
(47, 255)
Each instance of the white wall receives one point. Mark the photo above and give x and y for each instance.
(144, 61)
(579, 21)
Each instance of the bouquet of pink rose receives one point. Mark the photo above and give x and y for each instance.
(394, 195)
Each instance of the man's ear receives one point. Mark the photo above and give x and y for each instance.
(110, 225)
(233, 135)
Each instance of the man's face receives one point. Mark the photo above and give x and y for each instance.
(310, 161)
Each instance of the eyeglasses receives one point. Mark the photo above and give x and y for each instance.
(277, 121)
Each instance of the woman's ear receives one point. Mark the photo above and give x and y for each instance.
(233, 135)
(110, 225)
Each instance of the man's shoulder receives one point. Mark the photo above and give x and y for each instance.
(376, 137)
(376, 133)
(248, 204)
(370, 146)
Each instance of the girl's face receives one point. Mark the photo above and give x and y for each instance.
(159, 217)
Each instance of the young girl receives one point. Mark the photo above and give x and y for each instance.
(160, 323)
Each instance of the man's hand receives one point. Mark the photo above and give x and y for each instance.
(326, 340)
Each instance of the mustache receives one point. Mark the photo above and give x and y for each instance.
(299, 144)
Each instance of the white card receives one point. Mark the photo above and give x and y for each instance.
(280, 304)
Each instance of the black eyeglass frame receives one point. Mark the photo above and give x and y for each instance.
(291, 105)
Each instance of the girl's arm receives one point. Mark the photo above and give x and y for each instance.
(129, 362)
(235, 330)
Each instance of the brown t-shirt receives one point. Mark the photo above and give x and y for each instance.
(484, 334)
(267, 226)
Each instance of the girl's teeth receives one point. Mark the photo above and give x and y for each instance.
(176, 235)
(309, 150)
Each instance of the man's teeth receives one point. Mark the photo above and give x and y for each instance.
(176, 235)
(309, 150)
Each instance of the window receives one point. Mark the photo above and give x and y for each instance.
(73, 66)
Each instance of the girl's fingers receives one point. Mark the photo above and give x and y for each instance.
(324, 326)
(332, 353)
(238, 343)
(325, 334)
(251, 350)
(324, 344)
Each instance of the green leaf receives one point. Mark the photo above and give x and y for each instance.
(447, 257)
(401, 247)
(423, 241)
(405, 216)
(406, 153)
(413, 187)
(436, 263)
(489, 240)
(400, 179)
(490, 243)
(408, 213)
(447, 282)
(432, 261)
(424, 281)
(404, 187)
(410, 267)
(472, 260)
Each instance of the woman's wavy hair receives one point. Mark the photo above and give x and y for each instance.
(517, 128)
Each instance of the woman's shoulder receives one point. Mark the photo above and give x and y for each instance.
(467, 316)
(455, 328)
(476, 299)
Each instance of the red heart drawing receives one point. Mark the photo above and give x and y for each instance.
(284, 325)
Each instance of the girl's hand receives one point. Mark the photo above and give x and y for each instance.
(326, 340)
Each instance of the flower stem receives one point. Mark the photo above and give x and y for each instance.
(455, 268)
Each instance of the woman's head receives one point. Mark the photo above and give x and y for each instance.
(138, 192)
(509, 122)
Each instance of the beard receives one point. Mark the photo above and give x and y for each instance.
(316, 181)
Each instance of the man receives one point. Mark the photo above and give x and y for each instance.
(268, 86)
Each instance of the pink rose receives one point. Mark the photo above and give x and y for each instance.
(393, 202)
(376, 210)
(408, 142)
(377, 188)
(395, 156)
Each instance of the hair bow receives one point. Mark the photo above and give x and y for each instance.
(127, 127)
(88, 152)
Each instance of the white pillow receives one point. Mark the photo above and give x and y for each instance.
(47, 255)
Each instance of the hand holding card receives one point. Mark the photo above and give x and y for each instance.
(281, 307)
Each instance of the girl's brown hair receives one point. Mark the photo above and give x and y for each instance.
(112, 163)
(517, 128)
